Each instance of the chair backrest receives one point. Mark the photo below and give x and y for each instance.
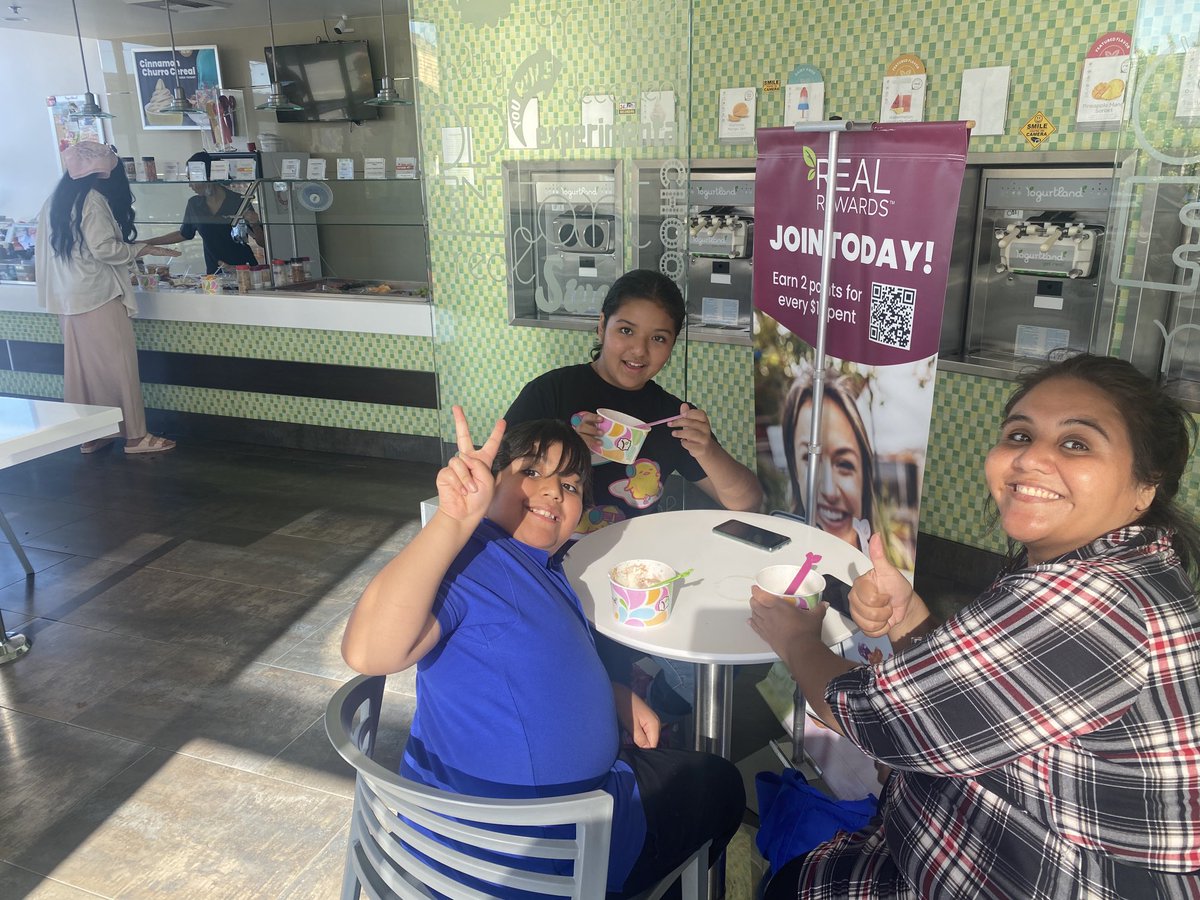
(388, 809)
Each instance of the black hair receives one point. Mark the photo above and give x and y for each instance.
(643, 284)
(1161, 434)
(204, 157)
(66, 208)
(116, 190)
(530, 439)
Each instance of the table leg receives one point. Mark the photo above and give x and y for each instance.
(714, 695)
(714, 711)
(798, 715)
(12, 646)
(16, 545)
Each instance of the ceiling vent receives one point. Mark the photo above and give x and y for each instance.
(178, 6)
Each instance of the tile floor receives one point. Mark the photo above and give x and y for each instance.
(164, 737)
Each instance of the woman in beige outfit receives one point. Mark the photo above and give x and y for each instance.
(86, 232)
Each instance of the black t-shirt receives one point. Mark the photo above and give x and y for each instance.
(219, 245)
(618, 491)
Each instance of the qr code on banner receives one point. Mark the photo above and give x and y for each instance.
(892, 308)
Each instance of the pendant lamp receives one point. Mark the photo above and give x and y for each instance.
(387, 96)
(179, 103)
(90, 109)
(277, 100)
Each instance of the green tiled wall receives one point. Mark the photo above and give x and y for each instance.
(252, 342)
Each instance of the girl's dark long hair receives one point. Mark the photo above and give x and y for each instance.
(1161, 435)
(66, 208)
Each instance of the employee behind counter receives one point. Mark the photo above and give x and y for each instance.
(211, 213)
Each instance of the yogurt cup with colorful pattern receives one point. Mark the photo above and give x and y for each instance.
(636, 602)
(621, 436)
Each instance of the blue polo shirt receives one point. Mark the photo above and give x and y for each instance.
(513, 701)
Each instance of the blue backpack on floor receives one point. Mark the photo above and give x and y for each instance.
(794, 816)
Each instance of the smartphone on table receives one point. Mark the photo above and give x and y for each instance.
(752, 534)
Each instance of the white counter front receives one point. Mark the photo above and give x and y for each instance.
(274, 309)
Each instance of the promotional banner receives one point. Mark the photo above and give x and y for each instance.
(896, 192)
(155, 76)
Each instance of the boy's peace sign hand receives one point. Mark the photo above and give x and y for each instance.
(465, 486)
(880, 598)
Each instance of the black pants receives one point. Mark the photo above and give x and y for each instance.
(688, 798)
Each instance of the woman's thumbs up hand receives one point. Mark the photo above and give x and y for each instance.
(879, 599)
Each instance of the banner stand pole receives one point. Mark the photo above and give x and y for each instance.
(833, 129)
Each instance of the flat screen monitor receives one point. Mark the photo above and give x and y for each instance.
(331, 81)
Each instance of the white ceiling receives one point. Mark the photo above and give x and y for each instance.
(119, 18)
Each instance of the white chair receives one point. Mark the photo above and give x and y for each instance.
(379, 860)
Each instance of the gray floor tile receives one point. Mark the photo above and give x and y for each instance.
(310, 760)
(196, 612)
(319, 653)
(249, 557)
(18, 882)
(11, 570)
(321, 879)
(350, 525)
(113, 534)
(49, 767)
(215, 707)
(31, 516)
(72, 668)
(55, 592)
(243, 835)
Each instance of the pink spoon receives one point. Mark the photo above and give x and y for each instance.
(661, 421)
(810, 560)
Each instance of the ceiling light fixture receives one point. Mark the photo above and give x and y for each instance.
(277, 100)
(15, 15)
(179, 103)
(388, 95)
(90, 109)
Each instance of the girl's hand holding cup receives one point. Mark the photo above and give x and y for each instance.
(587, 426)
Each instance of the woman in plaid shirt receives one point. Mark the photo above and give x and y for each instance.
(1044, 742)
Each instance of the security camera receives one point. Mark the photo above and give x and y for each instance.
(342, 26)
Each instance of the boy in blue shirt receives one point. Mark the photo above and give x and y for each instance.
(512, 699)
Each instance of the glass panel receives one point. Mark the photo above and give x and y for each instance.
(537, 123)
(1155, 223)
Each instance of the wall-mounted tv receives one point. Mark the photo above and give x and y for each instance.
(330, 80)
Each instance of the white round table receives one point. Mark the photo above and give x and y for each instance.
(709, 624)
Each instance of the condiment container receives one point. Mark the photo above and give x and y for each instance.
(279, 272)
(244, 279)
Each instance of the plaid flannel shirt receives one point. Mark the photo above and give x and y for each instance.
(1045, 742)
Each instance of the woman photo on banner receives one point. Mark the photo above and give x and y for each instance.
(874, 432)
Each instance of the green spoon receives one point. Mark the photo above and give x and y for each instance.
(674, 577)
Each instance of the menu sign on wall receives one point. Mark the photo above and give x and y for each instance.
(156, 74)
(902, 98)
(1104, 82)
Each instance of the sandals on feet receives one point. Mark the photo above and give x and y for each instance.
(93, 446)
(150, 443)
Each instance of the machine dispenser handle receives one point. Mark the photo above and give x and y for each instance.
(1053, 233)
